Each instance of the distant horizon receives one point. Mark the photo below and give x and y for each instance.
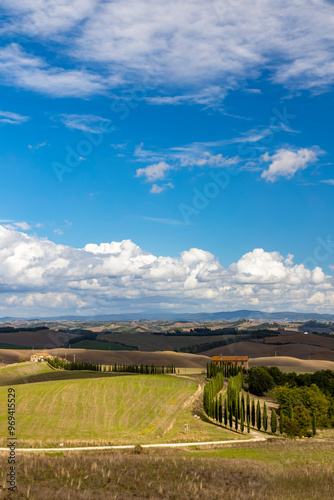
(146, 315)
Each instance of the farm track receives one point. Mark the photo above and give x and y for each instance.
(132, 446)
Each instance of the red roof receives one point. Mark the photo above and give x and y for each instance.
(229, 358)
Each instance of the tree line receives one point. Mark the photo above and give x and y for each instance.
(306, 401)
(233, 410)
(241, 337)
(143, 369)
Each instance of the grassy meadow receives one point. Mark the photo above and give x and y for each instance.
(28, 373)
(98, 408)
(277, 471)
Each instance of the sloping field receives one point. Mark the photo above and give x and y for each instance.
(302, 338)
(292, 344)
(26, 373)
(159, 358)
(289, 364)
(102, 346)
(147, 342)
(42, 339)
(116, 409)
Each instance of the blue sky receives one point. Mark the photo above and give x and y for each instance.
(201, 132)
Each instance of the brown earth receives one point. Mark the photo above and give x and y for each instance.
(293, 344)
(288, 364)
(148, 342)
(158, 358)
(42, 339)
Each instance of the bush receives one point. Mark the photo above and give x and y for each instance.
(259, 380)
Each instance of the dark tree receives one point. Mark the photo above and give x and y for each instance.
(253, 413)
(259, 380)
(258, 415)
(273, 421)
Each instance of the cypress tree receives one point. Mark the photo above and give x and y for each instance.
(265, 417)
(220, 409)
(230, 417)
(258, 415)
(253, 413)
(216, 410)
(314, 424)
(248, 424)
(248, 406)
(225, 413)
(273, 421)
(281, 422)
(243, 406)
(236, 422)
(238, 407)
(242, 417)
(233, 407)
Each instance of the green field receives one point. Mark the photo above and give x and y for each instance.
(27, 373)
(104, 408)
(102, 346)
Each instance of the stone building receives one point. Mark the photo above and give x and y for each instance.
(235, 360)
(40, 356)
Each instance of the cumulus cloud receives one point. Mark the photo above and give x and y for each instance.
(155, 172)
(286, 163)
(39, 275)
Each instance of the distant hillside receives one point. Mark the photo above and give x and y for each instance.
(216, 316)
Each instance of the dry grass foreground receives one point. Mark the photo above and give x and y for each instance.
(157, 358)
(275, 471)
(289, 364)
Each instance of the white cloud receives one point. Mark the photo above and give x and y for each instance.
(207, 159)
(286, 163)
(12, 118)
(46, 17)
(58, 231)
(86, 123)
(38, 146)
(38, 275)
(33, 73)
(185, 49)
(155, 189)
(24, 226)
(155, 172)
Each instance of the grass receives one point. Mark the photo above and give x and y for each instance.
(274, 471)
(102, 346)
(27, 373)
(112, 409)
(97, 408)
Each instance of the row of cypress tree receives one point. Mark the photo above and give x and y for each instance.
(233, 410)
(144, 369)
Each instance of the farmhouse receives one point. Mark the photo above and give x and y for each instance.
(237, 360)
(40, 356)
